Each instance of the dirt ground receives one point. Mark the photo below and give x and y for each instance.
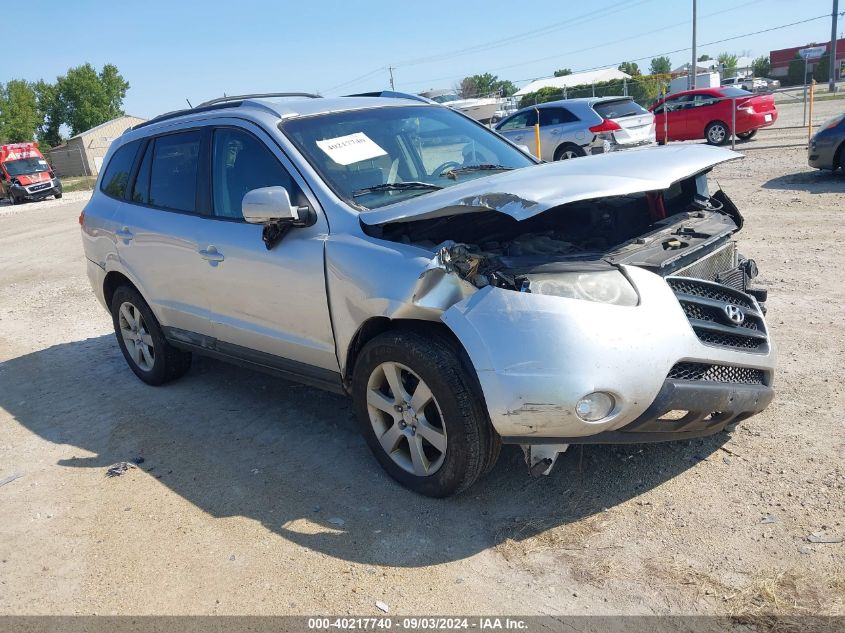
(257, 496)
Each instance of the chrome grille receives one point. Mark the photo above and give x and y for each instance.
(707, 304)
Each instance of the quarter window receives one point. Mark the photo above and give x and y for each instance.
(173, 173)
(116, 177)
(241, 163)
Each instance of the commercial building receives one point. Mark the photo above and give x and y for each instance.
(82, 155)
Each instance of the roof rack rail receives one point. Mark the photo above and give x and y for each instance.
(265, 95)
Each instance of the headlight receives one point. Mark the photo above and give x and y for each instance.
(607, 286)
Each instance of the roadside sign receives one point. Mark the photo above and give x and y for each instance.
(813, 52)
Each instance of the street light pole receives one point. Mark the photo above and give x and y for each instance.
(834, 15)
(693, 69)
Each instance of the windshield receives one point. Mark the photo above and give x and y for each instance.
(373, 158)
(25, 166)
(735, 92)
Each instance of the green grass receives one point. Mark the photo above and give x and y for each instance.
(81, 183)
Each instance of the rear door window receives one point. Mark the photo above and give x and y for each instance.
(556, 116)
(618, 109)
(241, 163)
(173, 172)
(116, 176)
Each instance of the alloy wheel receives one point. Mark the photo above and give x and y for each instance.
(137, 339)
(566, 155)
(717, 134)
(406, 419)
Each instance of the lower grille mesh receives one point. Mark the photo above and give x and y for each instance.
(717, 373)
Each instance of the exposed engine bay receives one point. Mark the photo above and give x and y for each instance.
(665, 231)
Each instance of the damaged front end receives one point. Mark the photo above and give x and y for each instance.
(611, 316)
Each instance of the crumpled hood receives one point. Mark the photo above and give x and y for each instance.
(524, 193)
(31, 179)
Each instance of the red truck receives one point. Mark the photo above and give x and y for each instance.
(25, 174)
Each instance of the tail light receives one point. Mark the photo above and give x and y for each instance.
(82, 218)
(605, 126)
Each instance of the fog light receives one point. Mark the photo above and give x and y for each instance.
(595, 406)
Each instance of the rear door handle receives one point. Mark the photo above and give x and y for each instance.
(212, 255)
(125, 234)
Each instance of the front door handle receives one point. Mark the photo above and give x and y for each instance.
(125, 234)
(212, 255)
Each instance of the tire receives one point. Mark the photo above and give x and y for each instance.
(717, 133)
(58, 196)
(569, 150)
(161, 362)
(459, 444)
(747, 136)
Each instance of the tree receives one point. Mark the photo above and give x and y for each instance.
(18, 112)
(484, 85)
(821, 69)
(761, 67)
(704, 58)
(50, 112)
(795, 74)
(727, 62)
(563, 72)
(88, 98)
(660, 66)
(631, 68)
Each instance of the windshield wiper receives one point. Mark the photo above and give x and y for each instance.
(395, 186)
(453, 173)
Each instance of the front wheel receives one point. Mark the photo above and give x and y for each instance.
(421, 413)
(717, 133)
(747, 136)
(58, 196)
(142, 341)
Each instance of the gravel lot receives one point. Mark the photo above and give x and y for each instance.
(258, 496)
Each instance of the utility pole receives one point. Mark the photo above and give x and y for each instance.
(832, 85)
(390, 70)
(693, 70)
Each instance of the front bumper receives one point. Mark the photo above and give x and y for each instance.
(38, 191)
(536, 356)
(821, 151)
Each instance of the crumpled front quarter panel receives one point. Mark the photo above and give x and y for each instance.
(537, 355)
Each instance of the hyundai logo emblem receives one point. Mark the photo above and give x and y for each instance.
(735, 314)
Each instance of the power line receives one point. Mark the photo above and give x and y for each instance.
(597, 46)
(477, 48)
(679, 50)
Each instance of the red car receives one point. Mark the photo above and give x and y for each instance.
(706, 113)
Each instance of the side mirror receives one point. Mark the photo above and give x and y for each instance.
(525, 149)
(269, 204)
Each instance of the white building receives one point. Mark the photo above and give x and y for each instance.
(575, 79)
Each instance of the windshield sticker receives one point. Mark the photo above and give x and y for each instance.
(352, 148)
(42, 162)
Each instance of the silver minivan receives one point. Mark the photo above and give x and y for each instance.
(581, 127)
(463, 294)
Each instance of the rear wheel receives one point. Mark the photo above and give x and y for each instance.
(421, 414)
(142, 341)
(717, 133)
(747, 136)
(569, 150)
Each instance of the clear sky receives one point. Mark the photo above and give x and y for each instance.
(177, 49)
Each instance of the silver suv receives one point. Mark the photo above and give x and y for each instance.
(464, 295)
(580, 127)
